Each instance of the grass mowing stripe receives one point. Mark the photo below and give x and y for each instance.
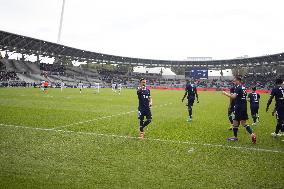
(105, 117)
(147, 139)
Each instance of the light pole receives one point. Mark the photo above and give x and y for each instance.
(61, 21)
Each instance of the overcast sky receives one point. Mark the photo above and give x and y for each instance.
(157, 29)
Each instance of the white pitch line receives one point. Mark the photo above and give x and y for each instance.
(146, 139)
(190, 150)
(92, 120)
(105, 117)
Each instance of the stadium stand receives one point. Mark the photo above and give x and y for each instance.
(30, 73)
(257, 71)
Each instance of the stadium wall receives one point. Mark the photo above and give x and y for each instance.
(207, 89)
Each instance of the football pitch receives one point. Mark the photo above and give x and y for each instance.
(89, 140)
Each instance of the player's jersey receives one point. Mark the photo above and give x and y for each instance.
(80, 85)
(241, 99)
(62, 84)
(278, 92)
(45, 84)
(119, 86)
(232, 91)
(144, 98)
(191, 91)
(254, 99)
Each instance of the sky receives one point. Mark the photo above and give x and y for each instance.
(154, 29)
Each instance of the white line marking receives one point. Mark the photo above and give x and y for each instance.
(105, 117)
(92, 120)
(146, 139)
(190, 150)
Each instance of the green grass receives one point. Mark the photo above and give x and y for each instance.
(105, 153)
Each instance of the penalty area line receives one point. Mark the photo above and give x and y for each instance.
(146, 139)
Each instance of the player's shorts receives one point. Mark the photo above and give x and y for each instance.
(190, 101)
(240, 113)
(144, 113)
(45, 87)
(254, 109)
(231, 110)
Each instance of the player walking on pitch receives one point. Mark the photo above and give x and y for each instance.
(62, 85)
(145, 103)
(190, 92)
(278, 93)
(254, 104)
(240, 110)
(119, 87)
(80, 86)
(231, 108)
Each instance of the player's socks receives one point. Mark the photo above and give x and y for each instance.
(248, 128)
(230, 118)
(254, 118)
(278, 128)
(190, 111)
(235, 131)
(146, 122)
(141, 126)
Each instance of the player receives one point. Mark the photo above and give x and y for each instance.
(119, 87)
(113, 87)
(45, 85)
(42, 86)
(231, 108)
(145, 103)
(190, 92)
(281, 133)
(62, 85)
(80, 86)
(240, 110)
(278, 93)
(254, 105)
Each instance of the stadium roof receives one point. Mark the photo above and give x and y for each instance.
(30, 46)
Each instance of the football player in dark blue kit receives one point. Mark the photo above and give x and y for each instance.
(145, 103)
(191, 93)
(240, 110)
(278, 93)
(254, 104)
(231, 108)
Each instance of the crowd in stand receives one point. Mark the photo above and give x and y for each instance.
(109, 76)
(265, 81)
(52, 69)
(10, 79)
(14, 84)
(7, 76)
(260, 81)
(130, 79)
